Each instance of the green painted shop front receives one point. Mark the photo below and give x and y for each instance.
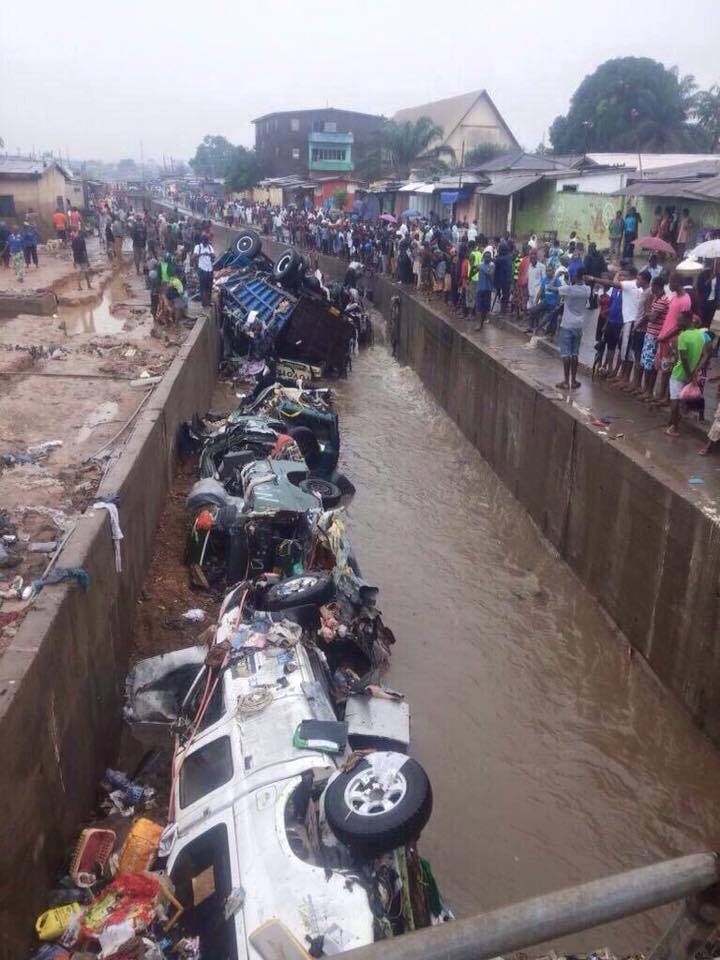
(541, 209)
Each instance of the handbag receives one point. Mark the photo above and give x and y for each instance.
(691, 392)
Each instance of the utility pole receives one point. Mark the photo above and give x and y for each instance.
(142, 164)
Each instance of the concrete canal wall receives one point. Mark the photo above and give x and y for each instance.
(647, 553)
(61, 680)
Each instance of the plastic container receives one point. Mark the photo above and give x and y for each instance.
(140, 847)
(55, 921)
(92, 850)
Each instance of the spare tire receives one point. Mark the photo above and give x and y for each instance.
(383, 803)
(308, 588)
(329, 493)
(248, 244)
(287, 266)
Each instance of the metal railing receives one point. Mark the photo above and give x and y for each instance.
(531, 922)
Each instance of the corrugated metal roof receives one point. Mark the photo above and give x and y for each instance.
(709, 188)
(683, 171)
(443, 183)
(519, 160)
(650, 161)
(672, 189)
(26, 167)
(509, 185)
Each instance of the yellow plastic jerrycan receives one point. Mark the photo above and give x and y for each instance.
(55, 921)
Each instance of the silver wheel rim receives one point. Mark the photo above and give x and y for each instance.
(367, 797)
(296, 586)
(244, 244)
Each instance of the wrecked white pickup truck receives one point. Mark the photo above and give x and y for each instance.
(295, 809)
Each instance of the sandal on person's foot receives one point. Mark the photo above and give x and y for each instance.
(672, 432)
(575, 385)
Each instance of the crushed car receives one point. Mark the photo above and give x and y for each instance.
(280, 311)
(292, 786)
(266, 471)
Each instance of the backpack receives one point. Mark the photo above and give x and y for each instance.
(614, 314)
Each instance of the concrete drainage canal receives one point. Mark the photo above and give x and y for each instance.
(553, 756)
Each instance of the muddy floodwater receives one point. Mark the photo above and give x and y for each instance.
(97, 317)
(555, 757)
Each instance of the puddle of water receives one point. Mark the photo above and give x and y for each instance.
(103, 413)
(98, 317)
(93, 318)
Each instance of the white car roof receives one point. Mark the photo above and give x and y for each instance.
(266, 770)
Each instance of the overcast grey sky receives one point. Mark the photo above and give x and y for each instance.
(96, 78)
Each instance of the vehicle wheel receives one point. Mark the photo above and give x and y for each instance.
(286, 266)
(308, 588)
(384, 802)
(248, 244)
(329, 493)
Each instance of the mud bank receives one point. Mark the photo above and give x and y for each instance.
(61, 679)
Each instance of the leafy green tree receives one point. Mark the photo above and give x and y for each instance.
(706, 111)
(629, 103)
(414, 144)
(213, 157)
(244, 169)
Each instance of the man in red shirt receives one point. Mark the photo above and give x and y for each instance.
(75, 219)
(60, 224)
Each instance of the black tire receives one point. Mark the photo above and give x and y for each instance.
(248, 244)
(308, 588)
(378, 830)
(286, 266)
(329, 493)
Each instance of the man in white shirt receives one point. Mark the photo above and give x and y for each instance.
(633, 286)
(472, 232)
(575, 300)
(278, 226)
(203, 255)
(536, 272)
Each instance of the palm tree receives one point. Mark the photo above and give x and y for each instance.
(706, 110)
(409, 144)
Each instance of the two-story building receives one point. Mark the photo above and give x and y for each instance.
(313, 142)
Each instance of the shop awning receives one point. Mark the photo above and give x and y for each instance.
(506, 186)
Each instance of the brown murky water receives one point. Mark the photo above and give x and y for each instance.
(97, 317)
(555, 758)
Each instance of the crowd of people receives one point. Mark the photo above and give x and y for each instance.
(173, 251)
(652, 335)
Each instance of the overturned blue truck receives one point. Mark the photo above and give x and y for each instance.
(283, 313)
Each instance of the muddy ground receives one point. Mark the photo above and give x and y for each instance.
(66, 380)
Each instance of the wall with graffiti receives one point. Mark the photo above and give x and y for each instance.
(542, 210)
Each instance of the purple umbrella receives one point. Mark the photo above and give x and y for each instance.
(388, 216)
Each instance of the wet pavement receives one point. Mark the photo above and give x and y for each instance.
(555, 756)
(632, 425)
